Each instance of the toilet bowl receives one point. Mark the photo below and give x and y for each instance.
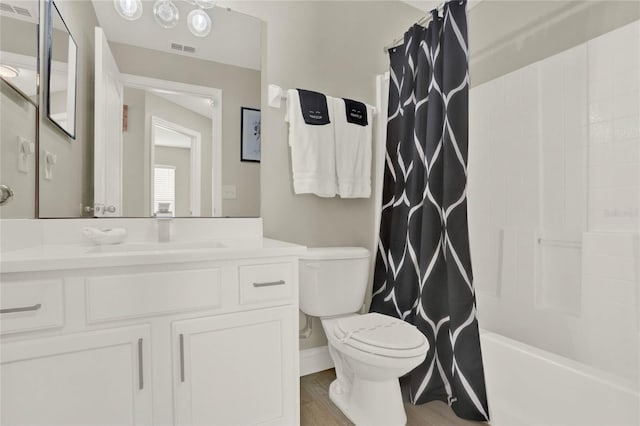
(370, 351)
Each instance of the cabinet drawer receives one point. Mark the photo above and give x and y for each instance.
(144, 294)
(261, 283)
(31, 305)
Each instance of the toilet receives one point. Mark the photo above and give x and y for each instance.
(370, 351)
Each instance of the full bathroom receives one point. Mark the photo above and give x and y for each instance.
(320, 212)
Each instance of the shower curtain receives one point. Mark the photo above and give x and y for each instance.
(423, 267)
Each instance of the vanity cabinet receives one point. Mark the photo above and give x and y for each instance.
(209, 342)
(87, 378)
(231, 370)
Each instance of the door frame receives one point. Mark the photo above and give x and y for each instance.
(149, 83)
(195, 162)
(107, 186)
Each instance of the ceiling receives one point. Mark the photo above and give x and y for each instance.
(234, 38)
(197, 104)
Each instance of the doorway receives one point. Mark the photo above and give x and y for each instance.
(176, 168)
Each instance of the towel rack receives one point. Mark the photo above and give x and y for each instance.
(276, 95)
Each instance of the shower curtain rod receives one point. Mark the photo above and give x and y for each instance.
(425, 19)
(421, 21)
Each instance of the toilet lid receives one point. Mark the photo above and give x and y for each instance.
(381, 335)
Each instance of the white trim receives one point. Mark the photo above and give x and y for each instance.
(216, 173)
(313, 360)
(146, 83)
(379, 155)
(195, 162)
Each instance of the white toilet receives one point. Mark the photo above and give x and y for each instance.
(370, 351)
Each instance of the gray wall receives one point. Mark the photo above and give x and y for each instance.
(72, 184)
(17, 120)
(240, 88)
(134, 149)
(336, 48)
(18, 36)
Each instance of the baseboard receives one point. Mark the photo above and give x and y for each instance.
(315, 359)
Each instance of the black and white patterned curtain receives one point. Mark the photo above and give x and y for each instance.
(423, 267)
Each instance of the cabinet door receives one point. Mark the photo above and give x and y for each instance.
(236, 369)
(92, 378)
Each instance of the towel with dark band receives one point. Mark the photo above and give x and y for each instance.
(315, 110)
(356, 112)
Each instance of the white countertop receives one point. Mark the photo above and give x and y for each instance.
(48, 257)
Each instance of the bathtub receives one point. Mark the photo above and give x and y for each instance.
(529, 386)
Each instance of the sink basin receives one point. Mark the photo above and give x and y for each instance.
(169, 246)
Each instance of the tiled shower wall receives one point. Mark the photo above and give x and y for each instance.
(554, 203)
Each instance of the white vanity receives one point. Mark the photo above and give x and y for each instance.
(201, 330)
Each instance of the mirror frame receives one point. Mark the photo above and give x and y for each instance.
(48, 40)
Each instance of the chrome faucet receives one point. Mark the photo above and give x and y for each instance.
(164, 216)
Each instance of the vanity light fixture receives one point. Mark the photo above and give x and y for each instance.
(165, 13)
(199, 23)
(7, 71)
(130, 10)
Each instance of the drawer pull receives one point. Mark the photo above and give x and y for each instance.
(182, 357)
(269, 284)
(140, 366)
(21, 309)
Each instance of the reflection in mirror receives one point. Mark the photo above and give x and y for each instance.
(62, 53)
(17, 168)
(176, 168)
(182, 90)
(167, 164)
(19, 45)
(18, 107)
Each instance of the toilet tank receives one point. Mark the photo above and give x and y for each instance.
(333, 280)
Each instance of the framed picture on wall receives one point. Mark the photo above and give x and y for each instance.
(250, 135)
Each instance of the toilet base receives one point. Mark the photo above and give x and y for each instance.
(370, 402)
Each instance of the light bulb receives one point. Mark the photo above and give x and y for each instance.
(165, 13)
(199, 23)
(128, 9)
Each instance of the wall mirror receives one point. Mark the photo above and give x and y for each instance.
(170, 79)
(19, 24)
(61, 61)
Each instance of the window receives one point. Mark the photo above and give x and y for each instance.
(164, 187)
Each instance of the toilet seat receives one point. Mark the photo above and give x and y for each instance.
(381, 335)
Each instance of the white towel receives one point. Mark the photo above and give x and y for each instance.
(313, 157)
(353, 152)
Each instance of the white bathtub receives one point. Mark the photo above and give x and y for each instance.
(529, 386)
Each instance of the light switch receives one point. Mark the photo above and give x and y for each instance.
(229, 192)
(50, 159)
(26, 149)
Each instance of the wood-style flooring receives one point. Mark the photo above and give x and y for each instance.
(316, 409)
